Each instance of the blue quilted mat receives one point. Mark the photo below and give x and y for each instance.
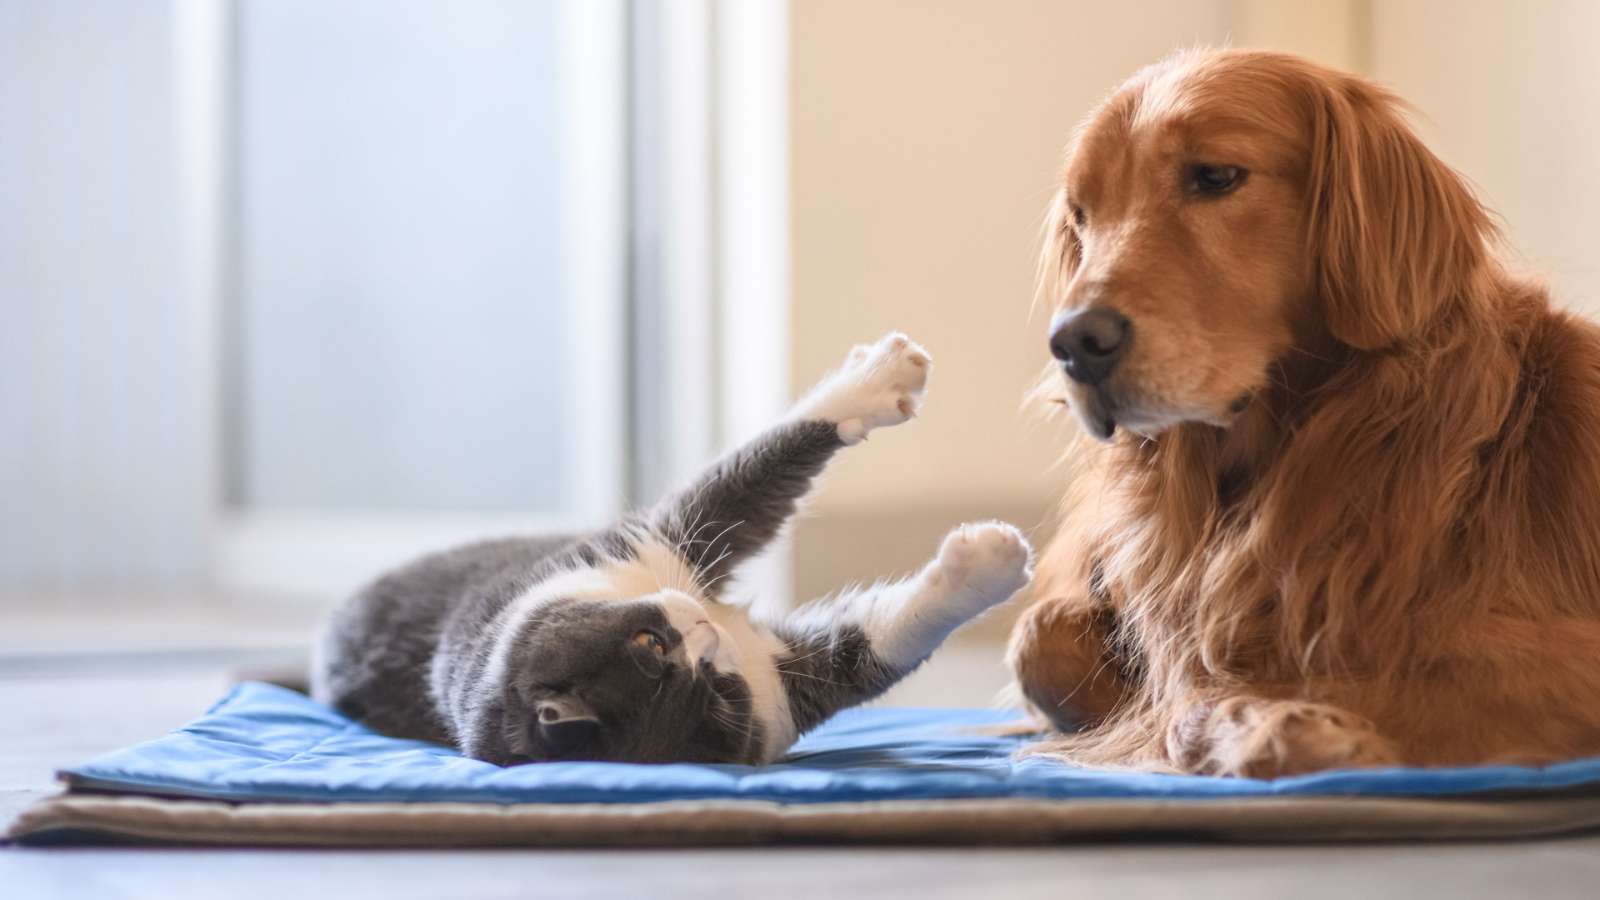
(263, 743)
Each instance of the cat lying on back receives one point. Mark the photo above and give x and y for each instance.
(618, 646)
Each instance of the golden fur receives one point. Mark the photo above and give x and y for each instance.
(1352, 513)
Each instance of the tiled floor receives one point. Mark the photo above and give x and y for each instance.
(70, 709)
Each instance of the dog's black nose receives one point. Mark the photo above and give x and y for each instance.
(1090, 342)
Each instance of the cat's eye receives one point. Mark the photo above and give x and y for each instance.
(1079, 217)
(1214, 181)
(650, 641)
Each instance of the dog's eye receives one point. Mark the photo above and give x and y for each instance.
(652, 641)
(1079, 217)
(1215, 181)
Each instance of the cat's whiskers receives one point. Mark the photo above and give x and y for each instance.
(692, 533)
(689, 533)
(720, 713)
(800, 659)
(820, 649)
(816, 678)
(724, 532)
(684, 548)
(808, 675)
(706, 587)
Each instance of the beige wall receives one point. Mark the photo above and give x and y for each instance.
(925, 138)
(1333, 32)
(1510, 95)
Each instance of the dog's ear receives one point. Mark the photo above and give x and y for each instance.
(1395, 233)
(1061, 253)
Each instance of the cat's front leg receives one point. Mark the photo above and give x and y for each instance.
(739, 505)
(879, 385)
(978, 567)
(854, 648)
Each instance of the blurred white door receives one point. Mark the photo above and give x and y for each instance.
(401, 329)
(106, 462)
(293, 290)
(418, 353)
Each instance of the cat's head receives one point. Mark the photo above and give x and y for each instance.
(646, 679)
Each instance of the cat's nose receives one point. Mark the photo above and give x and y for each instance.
(701, 642)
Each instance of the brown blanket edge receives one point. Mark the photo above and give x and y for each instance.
(80, 819)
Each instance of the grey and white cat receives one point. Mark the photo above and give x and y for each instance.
(618, 645)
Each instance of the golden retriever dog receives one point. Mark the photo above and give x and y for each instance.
(1345, 505)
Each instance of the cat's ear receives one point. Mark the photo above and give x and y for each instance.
(566, 725)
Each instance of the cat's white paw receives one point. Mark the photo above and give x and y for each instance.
(879, 385)
(984, 563)
(978, 566)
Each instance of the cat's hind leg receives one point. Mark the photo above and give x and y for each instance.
(850, 650)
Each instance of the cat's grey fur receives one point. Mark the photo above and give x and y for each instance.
(619, 646)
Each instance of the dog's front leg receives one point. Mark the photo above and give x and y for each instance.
(1252, 737)
(1063, 659)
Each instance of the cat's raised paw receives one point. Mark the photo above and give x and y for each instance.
(879, 385)
(987, 561)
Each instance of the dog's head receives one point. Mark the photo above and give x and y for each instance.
(1223, 209)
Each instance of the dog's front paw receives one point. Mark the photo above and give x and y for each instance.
(879, 385)
(983, 564)
(1248, 737)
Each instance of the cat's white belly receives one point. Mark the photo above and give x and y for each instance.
(758, 651)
